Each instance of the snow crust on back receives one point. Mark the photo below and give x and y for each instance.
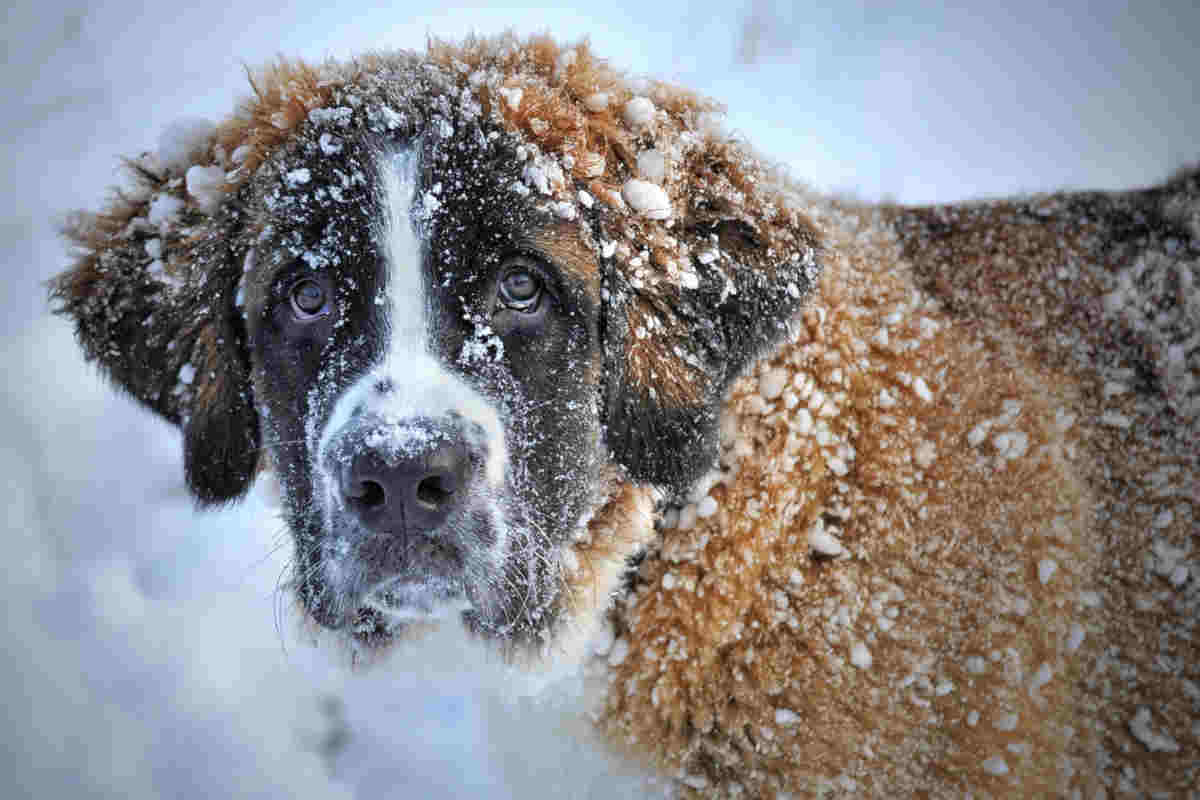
(929, 547)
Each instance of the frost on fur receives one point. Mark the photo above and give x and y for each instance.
(882, 500)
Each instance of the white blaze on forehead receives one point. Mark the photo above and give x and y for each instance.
(418, 384)
(397, 235)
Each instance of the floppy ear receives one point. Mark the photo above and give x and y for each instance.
(152, 293)
(689, 307)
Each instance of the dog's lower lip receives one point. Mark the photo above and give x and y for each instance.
(424, 598)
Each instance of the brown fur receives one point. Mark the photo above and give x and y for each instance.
(961, 404)
(732, 620)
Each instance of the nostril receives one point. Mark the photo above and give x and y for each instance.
(366, 494)
(434, 491)
(402, 480)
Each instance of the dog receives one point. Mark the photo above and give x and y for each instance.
(844, 499)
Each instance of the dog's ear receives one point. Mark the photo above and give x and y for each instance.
(690, 305)
(153, 293)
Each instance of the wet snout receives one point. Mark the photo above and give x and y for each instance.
(405, 478)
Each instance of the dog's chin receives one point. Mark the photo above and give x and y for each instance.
(404, 599)
(402, 607)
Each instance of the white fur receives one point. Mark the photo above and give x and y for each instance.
(421, 386)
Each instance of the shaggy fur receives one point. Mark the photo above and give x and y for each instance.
(948, 544)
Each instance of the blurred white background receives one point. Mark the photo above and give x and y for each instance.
(141, 652)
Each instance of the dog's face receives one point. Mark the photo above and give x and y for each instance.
(475, 345)
(427, 366)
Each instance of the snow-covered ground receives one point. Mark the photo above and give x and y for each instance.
(146, 649)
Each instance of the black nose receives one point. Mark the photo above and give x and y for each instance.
(405, 479)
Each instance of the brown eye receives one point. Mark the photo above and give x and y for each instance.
(308, 299)
(520, 290)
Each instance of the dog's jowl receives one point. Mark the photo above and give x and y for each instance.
(855, 499)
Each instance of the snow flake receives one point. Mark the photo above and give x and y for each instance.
(163, 209)
(925, 454)
(639, 112)
(536, 177)
(1043, 675)
(330, 145)
(822, 542)
(430, 203)
(206, 186)
(1011, 445)
(978, 433)
(647, 199)
(860, 656)
(596, 102)
(1115, 419)
(1006, 722)
(297, 177)
(995, 765)
(1154, 741)
(182, 142)
(512, 96)
(772, 382)
(652, 166)
(392, 120)
(339, 116)
(785, 716)
(1074, 637)
(922, 390)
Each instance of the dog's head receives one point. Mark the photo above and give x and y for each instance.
(479, 309)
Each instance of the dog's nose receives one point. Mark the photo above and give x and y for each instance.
(407, 479)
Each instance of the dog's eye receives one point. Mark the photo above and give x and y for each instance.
(308, 299)
(521, 289)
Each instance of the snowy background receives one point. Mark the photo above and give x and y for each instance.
(142, 656)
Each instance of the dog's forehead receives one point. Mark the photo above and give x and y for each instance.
(330, 203)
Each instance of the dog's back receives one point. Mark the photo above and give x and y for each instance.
(952, 545)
